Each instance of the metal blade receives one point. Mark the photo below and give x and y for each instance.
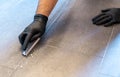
(30, 47)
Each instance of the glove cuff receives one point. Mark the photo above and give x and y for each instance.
(41, 18)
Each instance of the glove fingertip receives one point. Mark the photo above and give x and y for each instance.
(108, 24)
(23, 48)
(93, 22)
(105, 10)
(27, 40)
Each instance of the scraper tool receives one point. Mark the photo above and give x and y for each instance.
(30, 47)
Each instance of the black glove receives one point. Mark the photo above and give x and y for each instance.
(107, 17)
(35, 30)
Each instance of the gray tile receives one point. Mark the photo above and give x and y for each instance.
(5, 72)
(111, 63)
(52, 62)
(104, 75)
(71, 47)
(75, 31)
(10, 54)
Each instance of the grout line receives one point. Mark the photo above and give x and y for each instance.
(107, 75)
(7, 67)
(107, 47)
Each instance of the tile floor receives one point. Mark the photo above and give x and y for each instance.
(71, 47)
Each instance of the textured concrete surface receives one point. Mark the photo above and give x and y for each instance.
(71, 47)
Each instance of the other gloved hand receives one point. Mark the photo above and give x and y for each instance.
(35, 30)
(107, 17)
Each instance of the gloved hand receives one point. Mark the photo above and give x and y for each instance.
(35, 30)
(107, 17)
